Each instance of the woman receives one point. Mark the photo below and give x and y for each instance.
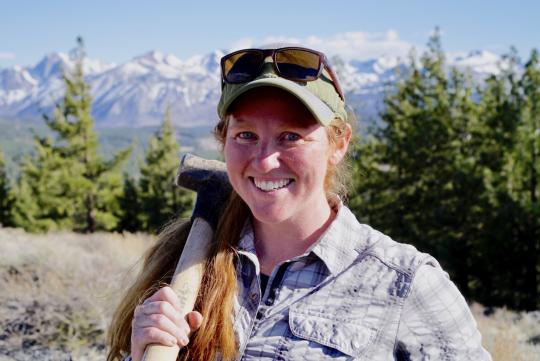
(294, 275)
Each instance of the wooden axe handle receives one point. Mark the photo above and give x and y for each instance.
(186, 282)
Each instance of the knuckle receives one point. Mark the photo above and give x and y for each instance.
(150, 334)
(184, 329)
(162, 307)
(168, 292)
(138, 335)
(138, 317)
(138, 309)
(159, 320)
(158, 292)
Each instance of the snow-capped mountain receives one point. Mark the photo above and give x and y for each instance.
(136, 93)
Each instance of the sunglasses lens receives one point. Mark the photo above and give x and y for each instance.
(243, 66)
(298, 64)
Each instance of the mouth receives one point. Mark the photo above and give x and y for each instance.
(268, 186)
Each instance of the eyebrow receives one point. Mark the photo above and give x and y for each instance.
(235, 121)
(300, 123)
(236, 118)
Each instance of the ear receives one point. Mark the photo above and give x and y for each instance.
(341, 147)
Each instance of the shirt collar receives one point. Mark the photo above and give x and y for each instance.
(247, 238)
(338, 246)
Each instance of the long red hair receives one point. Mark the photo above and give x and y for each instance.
(219, 288)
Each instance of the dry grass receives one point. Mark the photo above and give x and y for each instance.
(58, 291)
(509, 335)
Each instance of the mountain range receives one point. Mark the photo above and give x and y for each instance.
(137, 92)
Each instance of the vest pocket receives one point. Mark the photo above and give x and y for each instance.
(350, 339)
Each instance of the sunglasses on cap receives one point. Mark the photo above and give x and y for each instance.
(293, 63)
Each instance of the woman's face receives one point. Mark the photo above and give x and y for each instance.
(277, 156)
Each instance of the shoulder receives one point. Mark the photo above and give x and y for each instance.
(369, 242)
(402, 257)
(436, 320)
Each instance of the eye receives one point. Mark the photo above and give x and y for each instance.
(291, 137)
(246, 136)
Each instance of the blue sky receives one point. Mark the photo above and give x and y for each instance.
(116, 31)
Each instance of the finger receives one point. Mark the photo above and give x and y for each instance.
(166, 309)
(163, 323)
(142, 337)
(162, 308)
(194, 319)
(165, 294)
(148, 335)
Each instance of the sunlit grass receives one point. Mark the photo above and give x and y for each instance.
(59, 290)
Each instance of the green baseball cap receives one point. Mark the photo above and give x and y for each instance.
(319, 96)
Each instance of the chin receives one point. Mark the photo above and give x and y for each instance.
(268, 216)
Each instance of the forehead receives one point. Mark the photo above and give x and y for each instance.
(270, 104)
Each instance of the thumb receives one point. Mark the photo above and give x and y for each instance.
(194, 319)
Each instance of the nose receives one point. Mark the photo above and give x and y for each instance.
(267, 157)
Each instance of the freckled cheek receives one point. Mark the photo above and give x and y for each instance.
(298, 154)
(290, 158)
(236, 161)
(233, 153)
(302, 158)
(312, 165)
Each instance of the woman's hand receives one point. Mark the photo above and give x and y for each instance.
(158, 320)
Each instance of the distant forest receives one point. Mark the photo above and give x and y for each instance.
(453, 169)
(17, 140)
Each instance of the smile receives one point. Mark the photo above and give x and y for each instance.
(268, 186)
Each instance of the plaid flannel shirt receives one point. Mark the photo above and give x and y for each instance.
(354, 295)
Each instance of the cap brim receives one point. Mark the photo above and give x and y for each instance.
(322, 113)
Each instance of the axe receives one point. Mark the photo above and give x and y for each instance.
(209, 179)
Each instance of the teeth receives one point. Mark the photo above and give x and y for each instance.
(271, 185)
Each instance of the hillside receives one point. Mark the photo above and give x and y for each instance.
(17, 139)
(59, 290)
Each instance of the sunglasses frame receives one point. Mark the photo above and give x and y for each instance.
(323, 64)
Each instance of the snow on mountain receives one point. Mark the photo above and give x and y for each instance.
(52, 66)
(367, 76)
(479, 61)
(137, 92)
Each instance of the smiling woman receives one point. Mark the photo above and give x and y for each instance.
(277, 158)
(271, 143)
(293, 275)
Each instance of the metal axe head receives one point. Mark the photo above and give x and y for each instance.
(209, 179)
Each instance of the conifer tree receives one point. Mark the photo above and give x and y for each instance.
(161, 199)
(522, 171)
(507, 154)
(41, 203)
(131, 213)
(455, 171)
(6, 196)
(71, 184)
(421, 178)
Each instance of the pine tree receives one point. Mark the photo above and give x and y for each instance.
(130, 206)
(6, 196)
(82, 188)
(507, 154)
(41, 202)
(161, 199)
(455, 171)
(522, 170)
(421, 175)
